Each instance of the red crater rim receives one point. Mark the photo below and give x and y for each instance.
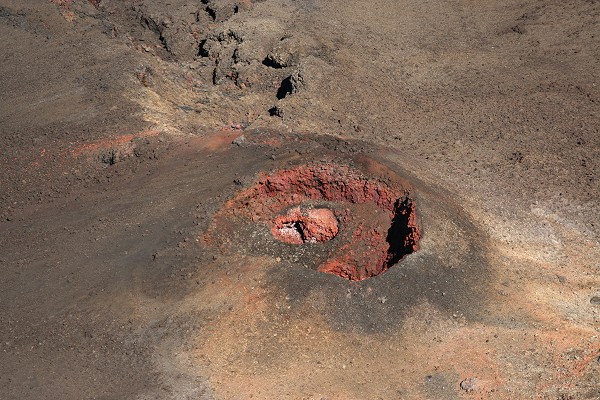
(367, 223)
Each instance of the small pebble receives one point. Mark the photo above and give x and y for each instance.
(240, 140)
(469, 385)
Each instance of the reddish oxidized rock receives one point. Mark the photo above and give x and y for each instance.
(374, 219)
(310, 225)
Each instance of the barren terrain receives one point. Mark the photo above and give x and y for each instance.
(282, 199)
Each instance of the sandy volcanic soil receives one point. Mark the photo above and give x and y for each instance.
(130, 130)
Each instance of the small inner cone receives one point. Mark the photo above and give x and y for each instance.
(309, 225)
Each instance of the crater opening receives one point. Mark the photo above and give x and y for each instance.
(365, 224)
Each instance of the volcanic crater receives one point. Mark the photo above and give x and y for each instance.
(364, 224)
